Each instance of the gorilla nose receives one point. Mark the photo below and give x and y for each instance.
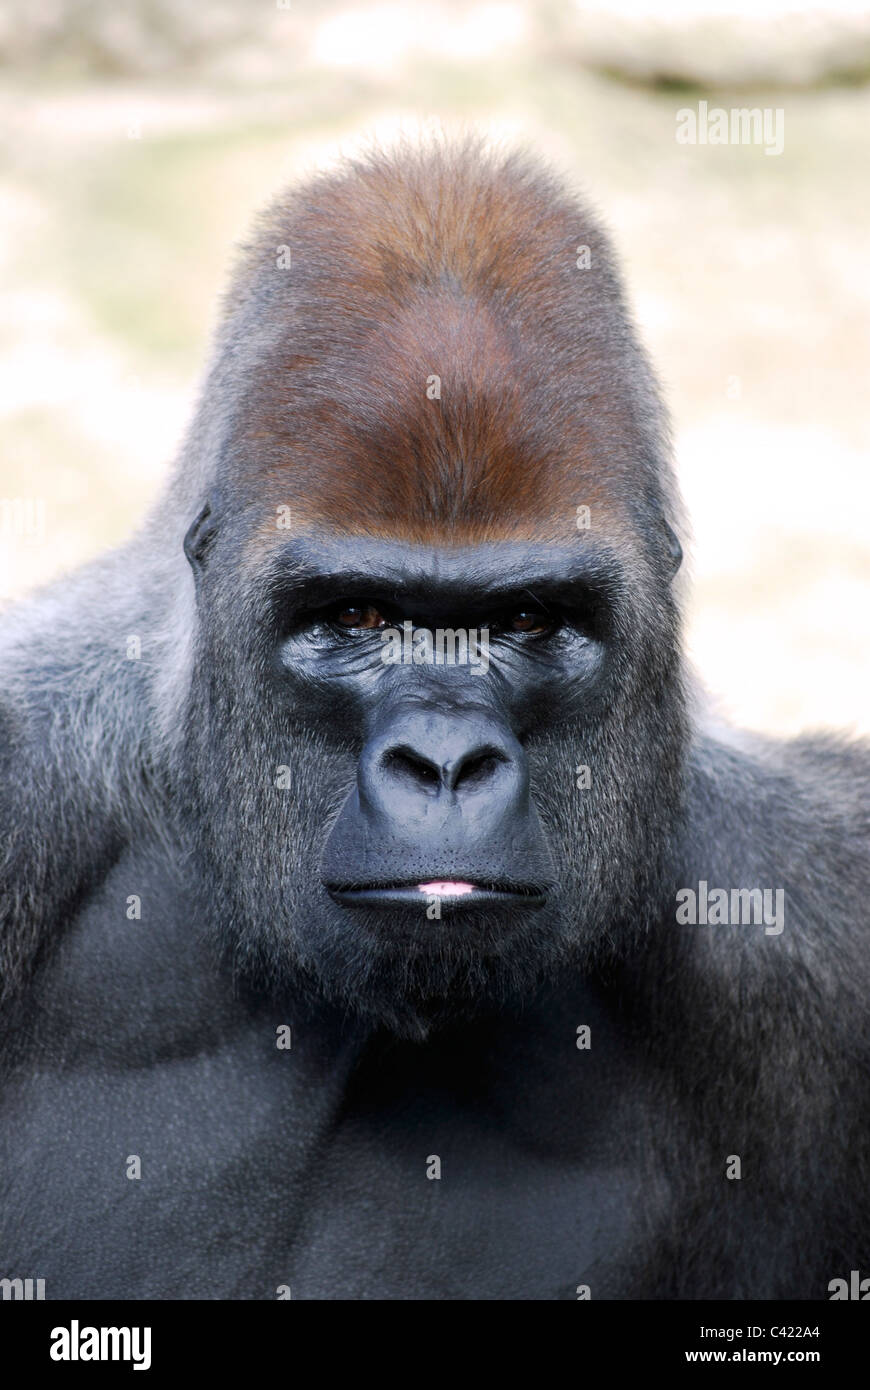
(428, 756)
(441, 805)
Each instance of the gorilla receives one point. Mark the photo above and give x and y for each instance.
(384, 915)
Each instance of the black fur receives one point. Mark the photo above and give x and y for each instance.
(156, 777)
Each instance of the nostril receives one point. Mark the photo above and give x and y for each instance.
(447, 768)
(477, 768)
(410, 766)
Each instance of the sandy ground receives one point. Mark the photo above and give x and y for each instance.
(750, 277)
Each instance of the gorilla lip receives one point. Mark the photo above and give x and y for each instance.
(458, 893)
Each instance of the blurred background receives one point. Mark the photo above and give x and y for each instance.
(138, 139)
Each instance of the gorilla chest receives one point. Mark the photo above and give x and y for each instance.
(161, 1137)
(446, 1206)
(239, 1174)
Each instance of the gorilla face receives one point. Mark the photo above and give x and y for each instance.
(414, 837)
(435, 391)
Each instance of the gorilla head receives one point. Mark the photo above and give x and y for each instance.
(428, 415)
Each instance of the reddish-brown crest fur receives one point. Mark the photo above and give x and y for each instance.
(456, 263)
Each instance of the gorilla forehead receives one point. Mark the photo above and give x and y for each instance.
(433, 361)
(442, 578)
(427, 429)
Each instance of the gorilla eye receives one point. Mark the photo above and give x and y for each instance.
(532, 620)
(358, 617)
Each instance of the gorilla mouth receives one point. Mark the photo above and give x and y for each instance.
(454, 893)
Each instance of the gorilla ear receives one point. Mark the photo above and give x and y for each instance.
(675, 550)
(200, 535)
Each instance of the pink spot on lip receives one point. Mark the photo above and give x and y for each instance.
(445, 888)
